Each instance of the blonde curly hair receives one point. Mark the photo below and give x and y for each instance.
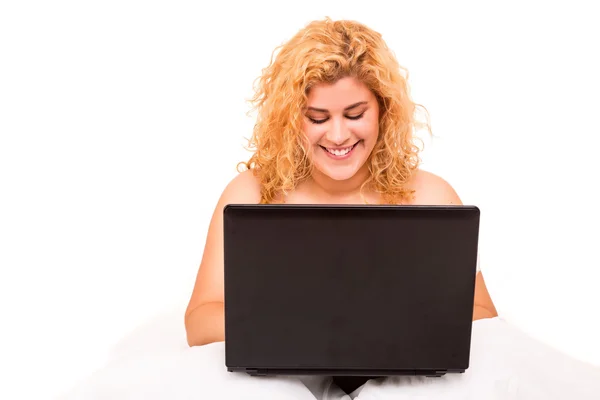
(324, 52)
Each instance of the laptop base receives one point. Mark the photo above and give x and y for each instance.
(337, 372)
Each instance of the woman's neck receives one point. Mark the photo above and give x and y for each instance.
(333, 190)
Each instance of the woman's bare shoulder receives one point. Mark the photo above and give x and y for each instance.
(432, 189)
(243, 188)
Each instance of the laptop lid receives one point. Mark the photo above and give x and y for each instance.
(349, 290)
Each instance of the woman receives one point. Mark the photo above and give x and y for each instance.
(335, 126)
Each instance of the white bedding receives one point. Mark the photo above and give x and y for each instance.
(505, 364)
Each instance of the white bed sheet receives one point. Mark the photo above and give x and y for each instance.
(505, 364)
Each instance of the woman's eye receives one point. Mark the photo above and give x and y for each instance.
(317, 121)
(354, 117)
(320, 121)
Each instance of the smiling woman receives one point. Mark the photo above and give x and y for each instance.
(344, 135)
(334, 82)
(335, 126)
(337, 151)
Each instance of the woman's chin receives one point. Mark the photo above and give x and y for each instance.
(339, 174)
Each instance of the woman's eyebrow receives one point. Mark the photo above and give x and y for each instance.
(360, 103)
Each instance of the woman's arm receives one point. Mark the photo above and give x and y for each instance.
(205, 324)
(205, 315)
(484, 306)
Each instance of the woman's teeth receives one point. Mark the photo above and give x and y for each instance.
(340, 152)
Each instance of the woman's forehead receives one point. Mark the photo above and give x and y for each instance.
(338, 96)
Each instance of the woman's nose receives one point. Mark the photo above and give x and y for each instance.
(338, 134)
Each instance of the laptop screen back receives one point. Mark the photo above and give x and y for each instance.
(349, 288)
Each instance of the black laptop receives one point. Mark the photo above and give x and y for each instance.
(349, 290)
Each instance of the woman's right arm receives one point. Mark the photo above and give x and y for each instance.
(205, 315)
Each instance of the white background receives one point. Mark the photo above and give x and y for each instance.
(122, 121)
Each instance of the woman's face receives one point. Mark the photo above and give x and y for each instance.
(342, 125)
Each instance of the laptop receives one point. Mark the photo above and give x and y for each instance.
(349, 290)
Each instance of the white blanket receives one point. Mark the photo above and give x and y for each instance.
(505, 364)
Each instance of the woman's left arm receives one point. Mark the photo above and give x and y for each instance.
(484, 306)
